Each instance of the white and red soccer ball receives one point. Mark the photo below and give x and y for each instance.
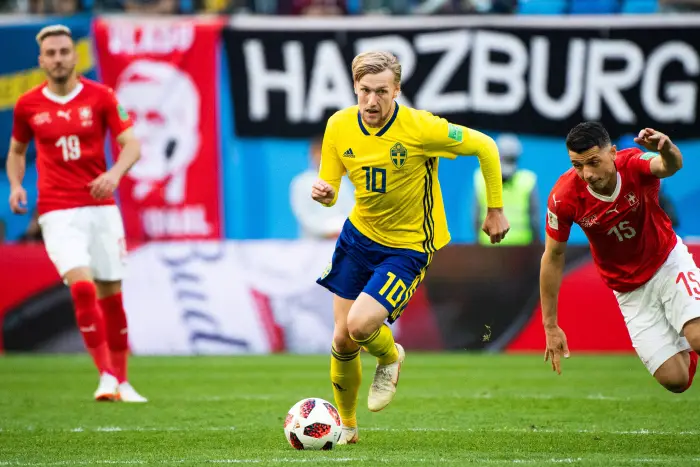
(313, 424)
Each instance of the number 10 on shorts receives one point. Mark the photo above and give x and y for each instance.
(396, 293)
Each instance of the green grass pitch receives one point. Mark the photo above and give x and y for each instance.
(450, 409)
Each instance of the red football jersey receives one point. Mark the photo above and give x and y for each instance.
(630, 234)
(69, 133)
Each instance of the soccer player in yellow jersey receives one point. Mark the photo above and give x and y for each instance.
(391, 155)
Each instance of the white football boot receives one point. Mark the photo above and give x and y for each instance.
(107, 389)
(127, 393)
(349, 435)
(386, 378)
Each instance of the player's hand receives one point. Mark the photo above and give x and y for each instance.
(18, 200)
(103, 186)
(556, 347)
(322, 192)
(653, 140)
(495, 225)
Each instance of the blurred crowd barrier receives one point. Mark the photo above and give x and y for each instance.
(229, 110)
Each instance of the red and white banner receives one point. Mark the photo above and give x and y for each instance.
(162, 72)
(211, 297)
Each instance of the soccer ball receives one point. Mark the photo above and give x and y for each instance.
(312, 424)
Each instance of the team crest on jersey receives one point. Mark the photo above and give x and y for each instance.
(85, 114)
(398, 154)
(590, 221)
(632, 198)
(41, 118)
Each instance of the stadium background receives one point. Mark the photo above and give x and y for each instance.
(231, 104)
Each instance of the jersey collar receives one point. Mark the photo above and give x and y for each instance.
(62, 99)
(611, 198)
(384, 129)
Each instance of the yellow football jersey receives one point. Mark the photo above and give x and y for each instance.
(398, 201)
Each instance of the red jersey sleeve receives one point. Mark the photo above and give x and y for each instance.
(116, 117)
(640, 162)
(560, 217)
(21, 130)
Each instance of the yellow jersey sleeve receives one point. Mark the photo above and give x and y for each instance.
(332, 169)
(444, 139)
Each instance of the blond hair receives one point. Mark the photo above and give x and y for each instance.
(371, 63)
(53, 30)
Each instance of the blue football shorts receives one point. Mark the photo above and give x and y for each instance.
(390, 275)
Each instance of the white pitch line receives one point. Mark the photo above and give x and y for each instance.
(118, 429)
(539, 430)
(107, 429)
(476, 396)
(327, 459)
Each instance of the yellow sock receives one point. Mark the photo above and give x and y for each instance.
(381, 344)
(346, 376)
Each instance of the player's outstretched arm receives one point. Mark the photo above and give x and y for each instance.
(495, 224)
(16, 165)
(671, 160)
(551, 273)
(444, 139)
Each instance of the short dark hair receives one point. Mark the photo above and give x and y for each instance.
(53, 30)
(586, 135)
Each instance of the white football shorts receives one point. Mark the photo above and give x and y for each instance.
(90, 236)
(656, 312)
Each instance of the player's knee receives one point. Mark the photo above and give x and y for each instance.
(677, 383)
(83, 294)
(343, 343)
(676, 387)
(358, 328)
(691, 331)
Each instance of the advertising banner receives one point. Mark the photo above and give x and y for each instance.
(525, 74)
(163, 73)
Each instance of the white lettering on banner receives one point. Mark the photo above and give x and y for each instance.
(556, 109)
(681, 96)
(591, 87)
(147, 38)
(608, 85)
(262, 80)
(181, 221)
(431, 95)
(331, 87)
(511, 74)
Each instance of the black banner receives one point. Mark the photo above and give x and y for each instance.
(509, 76)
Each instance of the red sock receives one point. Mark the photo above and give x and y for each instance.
(90, 324)
(117, 333)
(691, 369)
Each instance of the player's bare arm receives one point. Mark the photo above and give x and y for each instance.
(16, 165)
(551, 273)
(671, 160)
(103, 186)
